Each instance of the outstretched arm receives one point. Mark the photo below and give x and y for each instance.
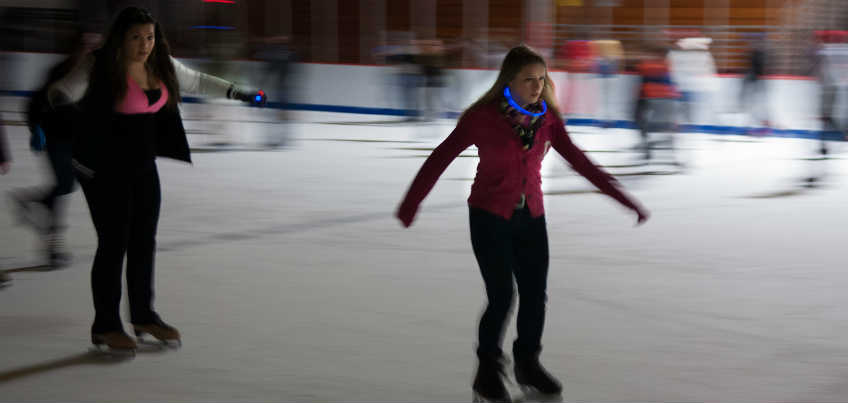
(72, 87)
(433, 167)
(195, 82)
(605, 182)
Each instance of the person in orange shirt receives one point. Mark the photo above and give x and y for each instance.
(656, 108)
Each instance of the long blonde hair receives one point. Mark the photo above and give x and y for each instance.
(515, 60)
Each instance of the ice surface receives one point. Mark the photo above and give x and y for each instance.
(291, 281)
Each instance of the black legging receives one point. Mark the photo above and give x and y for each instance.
(59, 152)
(504, 248)
(125, 212)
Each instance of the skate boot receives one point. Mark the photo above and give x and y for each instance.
(117, 342)
(5, 279)
(162, 331)
(489, 382)
(57, 256)
(26, 212)
(534, 380)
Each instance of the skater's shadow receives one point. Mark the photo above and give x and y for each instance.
(777, 194)
(34, 268)
(86, 358)
(806, 186)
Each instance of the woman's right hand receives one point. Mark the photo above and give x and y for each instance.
(642, 215)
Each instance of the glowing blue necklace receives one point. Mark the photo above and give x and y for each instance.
(513, 104)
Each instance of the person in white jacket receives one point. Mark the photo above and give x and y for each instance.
(127, 93)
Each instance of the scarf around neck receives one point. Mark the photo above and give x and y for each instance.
(525, 126)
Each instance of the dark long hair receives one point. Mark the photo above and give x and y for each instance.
(515, 60)
(108, 81)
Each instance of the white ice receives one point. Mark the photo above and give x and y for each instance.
(290, 280)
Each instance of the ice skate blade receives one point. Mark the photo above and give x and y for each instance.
(477, 398)
(533, 395)
(58, 264)
(24, 215)
(148, 339)
(118, 353)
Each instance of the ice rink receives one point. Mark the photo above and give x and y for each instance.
(290, 280)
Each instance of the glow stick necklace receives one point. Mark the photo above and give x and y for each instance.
(513, 104)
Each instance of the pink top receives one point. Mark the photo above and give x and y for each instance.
(135, 102)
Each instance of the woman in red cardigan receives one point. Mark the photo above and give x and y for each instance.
(513, 126)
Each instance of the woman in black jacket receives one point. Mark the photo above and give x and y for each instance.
(128, 93)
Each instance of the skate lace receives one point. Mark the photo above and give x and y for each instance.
(504, 364)
(56, 246)
(55, 242)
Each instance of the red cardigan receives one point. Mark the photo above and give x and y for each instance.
(505, 170)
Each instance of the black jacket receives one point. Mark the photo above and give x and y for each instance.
(107, 141)
(55, 122)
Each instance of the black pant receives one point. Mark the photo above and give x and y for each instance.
(125, 212)
(59, 152)
(506, 248)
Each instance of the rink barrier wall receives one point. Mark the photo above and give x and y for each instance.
(619, 124)
(374, 90)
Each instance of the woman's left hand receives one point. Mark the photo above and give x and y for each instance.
(254, 98)
(405, 215)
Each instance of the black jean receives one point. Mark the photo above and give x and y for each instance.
(125, 212)
(505, 248)
(59, 152)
